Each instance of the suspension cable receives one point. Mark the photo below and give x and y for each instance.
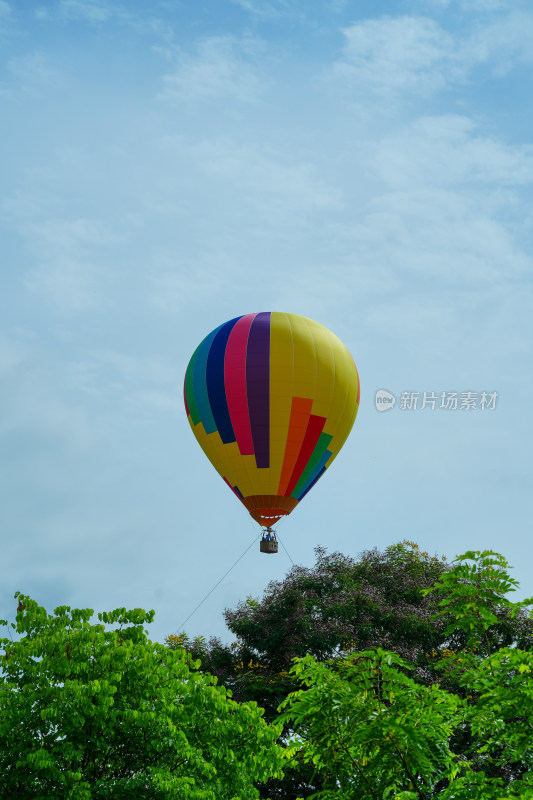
(288, 554)
(210, 592)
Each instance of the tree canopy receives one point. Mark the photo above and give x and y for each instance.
(399, 677)
(94, 711)
(388, 600)
(338, 605)
(371, 731)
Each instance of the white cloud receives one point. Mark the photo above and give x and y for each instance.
(394, 54)
(274, 9)
(468, 5)
(37, 409)
(6, 18)
(220, 69)
(442, 207)
(109, 12)
(441, 218)
(443, 236)
(338, 5)
(135, 382)
(431, 4)
(260, 9)
(279, 183)
(448, 151)
(68, 283)
(89, 10)
(34, 71)
(63, 267)
(482, 5)
(263, 9)
(175, 282)
(12, 353)
(501, 44)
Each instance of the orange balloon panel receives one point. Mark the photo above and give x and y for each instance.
(271, 398)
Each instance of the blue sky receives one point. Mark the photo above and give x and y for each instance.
(170, 165)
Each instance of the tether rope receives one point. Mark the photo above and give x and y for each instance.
(210, 592)
(288, 554)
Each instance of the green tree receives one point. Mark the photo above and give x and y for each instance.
(371, 731)
(337, 606)
(100, 711)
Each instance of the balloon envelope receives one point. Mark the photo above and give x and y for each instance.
(271, 398)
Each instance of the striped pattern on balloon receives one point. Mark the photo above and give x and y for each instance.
(271, 398)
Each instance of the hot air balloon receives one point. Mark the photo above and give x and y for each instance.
(271, 398)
